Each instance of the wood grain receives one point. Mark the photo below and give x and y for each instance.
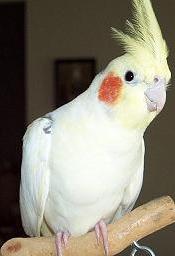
(135, 225)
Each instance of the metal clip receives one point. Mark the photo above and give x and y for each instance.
(140, 248)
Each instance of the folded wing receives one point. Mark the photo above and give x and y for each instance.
(35, 174)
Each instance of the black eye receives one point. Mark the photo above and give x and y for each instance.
(129, 76)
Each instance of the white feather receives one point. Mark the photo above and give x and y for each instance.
(91, 161)
(90, 166)
(35, 175)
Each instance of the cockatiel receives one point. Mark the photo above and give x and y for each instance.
(82, 164)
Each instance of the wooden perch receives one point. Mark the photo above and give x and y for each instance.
(135, 225)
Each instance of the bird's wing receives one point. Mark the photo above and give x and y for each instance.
(35, 174)
(132, 191)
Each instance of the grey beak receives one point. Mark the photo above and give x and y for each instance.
(156, 95)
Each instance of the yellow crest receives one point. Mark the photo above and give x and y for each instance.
(143, 33)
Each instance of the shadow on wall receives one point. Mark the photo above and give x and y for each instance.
(12, 112)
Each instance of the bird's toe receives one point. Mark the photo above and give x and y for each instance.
(61, 242)
(102, 233)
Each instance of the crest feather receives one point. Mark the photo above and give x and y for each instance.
(143, 32)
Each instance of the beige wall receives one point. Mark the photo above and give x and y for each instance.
(62, 28)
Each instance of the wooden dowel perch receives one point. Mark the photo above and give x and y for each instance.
(135, 225)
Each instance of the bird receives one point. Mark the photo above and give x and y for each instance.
(83, 163)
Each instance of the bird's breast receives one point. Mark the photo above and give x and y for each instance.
(85, 172)
(88, 175)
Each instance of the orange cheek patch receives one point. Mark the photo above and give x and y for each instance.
(110, 89)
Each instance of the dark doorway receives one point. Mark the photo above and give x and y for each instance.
(12, 114)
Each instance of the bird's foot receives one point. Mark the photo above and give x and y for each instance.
(61, 242)
(102, 232)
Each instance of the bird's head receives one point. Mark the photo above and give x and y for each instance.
(134, 85)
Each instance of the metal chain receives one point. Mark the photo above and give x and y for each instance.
(140, 248)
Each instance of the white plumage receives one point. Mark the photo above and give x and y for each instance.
(84, 161)
(81, 172)
(35, 176)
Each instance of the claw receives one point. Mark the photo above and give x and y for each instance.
(61, 241)
(102, 232)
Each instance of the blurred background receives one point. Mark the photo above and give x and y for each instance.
(40, 42)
